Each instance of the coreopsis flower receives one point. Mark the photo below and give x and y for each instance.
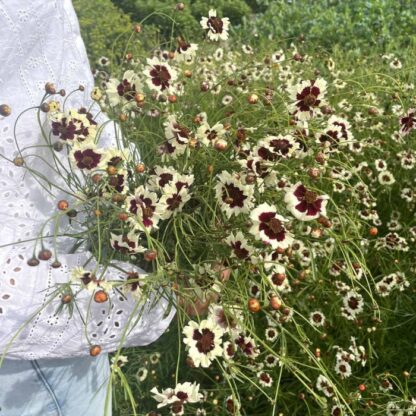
(127, 243)
(343, 369)
(124, 91)
(337, 133)
(325, 386)
(305, 204)
(271, 361)
(160, 75)
(229, 350)
(204, 341)
(273, 148)
(264, 379)
(177, 136)
(408, 122)
(317, 319)
(307, 97)
(120, 362)
(87, 157)
(161, 176)
(234, 196)
(103, 61)
(88, 280)
(278, 56)
(240, 248)
(73, 126)
(246, 345)
(210, 135)
(268, 226)
(173, 200)
(353, 305)
(185, 51)
(217, 28)
(144, 207)
(386, 178)
(164, 397)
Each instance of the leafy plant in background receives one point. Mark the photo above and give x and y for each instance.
(102, 26)
(358, 24)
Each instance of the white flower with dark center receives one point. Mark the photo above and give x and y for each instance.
(264, 379)
(144, 207)
(204, 341)
(317, 319)
(271, 360)
(268, 226)
(307, 97)
(233, 196)
(305, 204)
(127, 243)
(73, 126)
(173, 200)
(353, 305)
(187, 393)
(408, 122)
(343, 369)
(217, 28)
(229, 350)
(227, 99)
(325, 386)
(273, 148)
(278, 56)
(177, 138)
(160, 75)
(164, 397)
(386, 178)
(210, 135)
(247, 345)
(161, 176)
(185, 51)
(87, 157)
(124, 91)
(239, 245)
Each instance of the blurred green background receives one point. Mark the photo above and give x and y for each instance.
(361, 25)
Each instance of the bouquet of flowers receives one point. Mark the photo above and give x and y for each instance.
(269, 191)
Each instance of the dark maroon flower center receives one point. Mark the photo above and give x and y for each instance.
(165, 178)
(271, 226)
(205, 340)
(215, 24)
(353, 302)
(126, 89)
(181, 395)
(160, 76)
(310, 197)
(174, 202)
(233, 196)
(308, 98)
(87, 159)
(240, 251)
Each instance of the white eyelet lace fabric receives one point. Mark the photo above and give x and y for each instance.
(40, 42)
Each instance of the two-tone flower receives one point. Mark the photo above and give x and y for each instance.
(269, 227)
(307, 98)
(305, 204)
(144, 207)
(234, 196)
(87, 157)
(204, 341)
(217, 28)
(160, 75)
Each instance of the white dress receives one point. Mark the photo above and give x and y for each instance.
(40, 42)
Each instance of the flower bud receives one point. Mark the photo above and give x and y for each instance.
(5, 110)
(50, 88)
